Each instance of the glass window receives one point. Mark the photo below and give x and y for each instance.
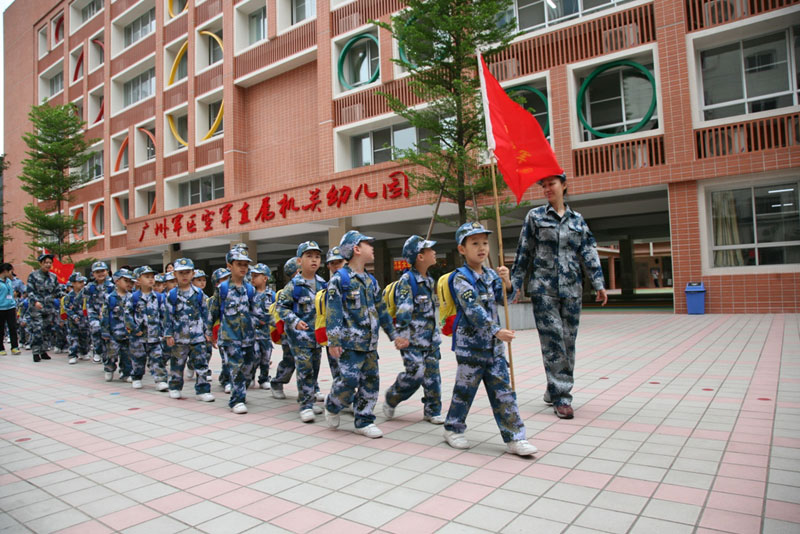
(213, 110)
(202, 189)
(302, 10)
(123, 164)
(141, 87)
(150, 148)
(751, 75)
(258, 25)
(56, 83)
(214, 50)
(756, 225)
(534, 14)
(151, 200)
(90, 9)
(386, 144)
(183, 68)
(141, 27)
(361, 61)
(182, 125)
(93, 168)
(100, 220)
(533, 99)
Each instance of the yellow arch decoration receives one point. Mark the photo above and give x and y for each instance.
(171, 9)
(213, 36)
(174, 130)
(217, 122)
(174, 70)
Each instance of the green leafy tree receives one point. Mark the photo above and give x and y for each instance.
(57, 152)
(438, 41)
(5, 237)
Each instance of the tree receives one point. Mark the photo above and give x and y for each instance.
(438, 40)
(57, 152)
(3, 225)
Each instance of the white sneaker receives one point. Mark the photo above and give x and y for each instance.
(307, 415)
(435, 419)
(239, 408)
(318, 410)
(332, 419)
(85, 357)
(546, 398)
(108, 376)
(96, 359)
(73, 361)
(228, 388)
(128, 379)
(136, 384)
(319, 396)
(388, 411)
(521, 448)
(371, 431)
(162, 386)
(278, 394)
(264, 385)
(456, 440)
(205, 397)
(174, 394)
(190, 375)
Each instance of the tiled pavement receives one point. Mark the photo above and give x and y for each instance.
(683, 424)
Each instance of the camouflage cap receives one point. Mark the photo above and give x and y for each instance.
(349, 242)
(144, 269)
(413, 246)
(123, 273)
(469, 228)
(307, 246)
(290, 267)
(236, 254)
(169, 276)
(199, 273)
(260, 268)
(44, 256)
(334, 253)
(160, 279)
(183, 264)
(219, 274)
(99, 266)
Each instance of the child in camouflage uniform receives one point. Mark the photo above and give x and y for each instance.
(333, 261)
(416, 320)
(265, 296)
(95, 296)
(78, 332)
(478, 344)
(217, 277)
(114, 331)
(144, 317)
(285, 369)
(42, 287)
(186, 332)
(355, 308)
(199, 281)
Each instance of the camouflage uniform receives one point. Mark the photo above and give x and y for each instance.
(42, 288)
(416, 321)
(145, 322)
(78, 324)
(285, 368)
(114, 331)
(474, 334)
(95, 295)
(305, 349)
(263, 346)
(185, 322)
(558, 250)
(354, 315)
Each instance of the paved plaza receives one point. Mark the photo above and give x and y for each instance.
(683, 424)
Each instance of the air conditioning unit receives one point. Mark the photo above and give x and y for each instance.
(352, 113)
(626, 158)
(725, 142)
(722, 11)
(349, 22)
(620, 38)
(504, 70)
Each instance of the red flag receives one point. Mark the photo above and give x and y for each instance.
(523, 154)
(62, 270)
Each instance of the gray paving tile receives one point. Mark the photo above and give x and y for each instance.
(373, 514)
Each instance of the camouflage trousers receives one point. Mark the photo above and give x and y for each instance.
(283, 373)
(141, 351)
(358, 384)
(178, 355)
(261, 361)
(422, 369)
(484, 366)
(79, 339)
(99, 344)
(333, 363)
(119, 353)
(307, 361)
(60, 339)
(240, 359)
(557, 321)
(40, 328)
(225, 371)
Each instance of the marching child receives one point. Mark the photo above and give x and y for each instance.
(478, 345)
(160, 286)
(415, 297)
(296, 309)
(199, 281)
(186, 332)
(265, 296)
(285, 368)
(144, 317)
(114, 331)
(233, 306)
(77, 321)
(333, 261)
(170, 282)
(95, 295)
(354, 309)
(217, 277)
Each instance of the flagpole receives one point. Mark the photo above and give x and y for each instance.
(502, 263)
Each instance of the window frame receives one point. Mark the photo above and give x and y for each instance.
(342, 62)
(372, 150)
(128, 41)
(213, 184)
(146, 78)
(261, 14)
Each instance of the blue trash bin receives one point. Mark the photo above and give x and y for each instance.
(695, 298)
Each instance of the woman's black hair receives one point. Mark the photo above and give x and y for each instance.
(6, 267)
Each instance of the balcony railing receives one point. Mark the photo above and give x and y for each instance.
(622, 156)
(750, 136)
(274, 50)
(175, 29)
(208, 80)
(359, 12)
(369, 103)
(701, 14)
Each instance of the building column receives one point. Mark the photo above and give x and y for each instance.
(627, 270)
(170, 255)
(252, 246)
(335, 233)
(612, 272)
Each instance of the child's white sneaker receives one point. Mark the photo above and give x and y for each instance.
(174, 394)
(307, 415)
(317, 410)
(85, 357)
(73, 360)
(435, 419)
(136, 384)
(96, 358)
(371, 431)
(205, 397)
(228, 388)
(128, 379)
(332, 419)
(319, 396)
(162, 386)
(190, 374)
(521, 448)
(388, 411)
(264, 385)
(239, 408)
(456, 440)
(278, 394)
(108, 376)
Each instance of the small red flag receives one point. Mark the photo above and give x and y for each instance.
(523, 154)
(62, 270)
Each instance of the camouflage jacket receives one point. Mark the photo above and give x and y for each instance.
(293, 309)
(558, 250)
(355, 311)
(235, 315)
(42, 287)
(261, 316)
(112, 322)
(416, 316)
(96, 297)
(73, 305)
(185, 321)
(479, 321)
(145, 318)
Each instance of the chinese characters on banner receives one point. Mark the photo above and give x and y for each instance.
(207, 220)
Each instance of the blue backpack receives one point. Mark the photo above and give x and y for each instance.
(223, 293)
(137, 295)
(173, 296)
(297, 292)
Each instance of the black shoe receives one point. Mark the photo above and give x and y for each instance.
(36, 358)
(45, 356)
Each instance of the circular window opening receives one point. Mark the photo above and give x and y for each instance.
(359, 63)
(535, 102)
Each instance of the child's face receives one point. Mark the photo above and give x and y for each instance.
(100, 276)
(170, 268)
(147, 280)
(475, 248)
(335, 265)
(425, 259)
(129, 283)
(184, 278)
(239, 269)
(365, 250)
(77, 286)
(309, 262)
(259, 281)
(223, 279)
(122, 285)
(199, 282)
(159, 286)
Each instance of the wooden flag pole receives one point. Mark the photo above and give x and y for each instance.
(502, 263)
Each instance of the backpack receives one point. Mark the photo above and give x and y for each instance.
(449, 310)
(389, 293)
(297, 292)
(63, 308)
(173, 297)
(320, 330)
(137, 295)
(275, 332)
(112, 303)
(223, 293)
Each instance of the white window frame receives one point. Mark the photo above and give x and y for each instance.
(146, 79)
(88, 219)
(580, 15)
(150, 15)
(142, 192)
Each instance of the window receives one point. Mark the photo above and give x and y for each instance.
(150, 147)
(617, 98)
(91, 9)
(213, 111)
(93, 168)
(751, 75)
(534, 14)
(98, 220)
(78, 108)
(176, 7)
(359, 61)
(183, 68)
(756, 225)
(257, 22)
(141, 87)
(214, 49)
(123, 162)
(385, 144)
(202, 189)
(302, 10)
(534, 99)
(58, 29)
(56, 83)
(151, 200)
(141, 27)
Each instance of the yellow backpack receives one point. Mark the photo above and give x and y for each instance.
(389, 291)
(320, 330)
(275, 332)
(449, 311)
